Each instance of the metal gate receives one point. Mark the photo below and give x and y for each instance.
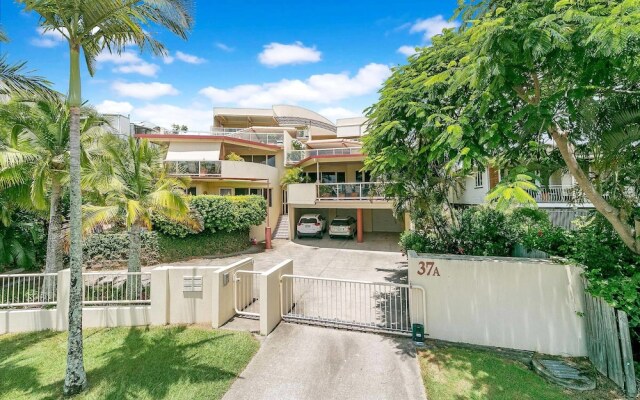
(246, 293)
(372, 306)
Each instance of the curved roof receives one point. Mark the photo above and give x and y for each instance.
(295, 115)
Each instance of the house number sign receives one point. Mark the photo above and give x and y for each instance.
(428, 268)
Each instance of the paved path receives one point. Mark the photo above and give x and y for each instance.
(306, 363)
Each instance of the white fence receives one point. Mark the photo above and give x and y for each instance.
(246, 293)
(28, 290)
(110, 288)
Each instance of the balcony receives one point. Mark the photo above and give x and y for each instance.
(349, 191)
(273, 136)
(295, 156)
(225, 169)
(559, 194)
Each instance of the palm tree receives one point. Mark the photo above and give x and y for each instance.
(133, 184)
(91, 26)
(13, 80)
(40, 131)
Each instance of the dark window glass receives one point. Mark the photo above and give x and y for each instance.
(191, 191)
(242, 191)
(341, 222)
(313, 177)
(308, 220)
(341, 177)
(271, 161)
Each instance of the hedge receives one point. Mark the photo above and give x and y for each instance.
(111, 250)
(204, 244)
(218, 213)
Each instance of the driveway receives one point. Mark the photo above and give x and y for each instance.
(306, 362)
(365, 263)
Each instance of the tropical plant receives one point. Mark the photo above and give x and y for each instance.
(40, 133)
(293, 175)
(131, 179)
(14, 80)
(234, 157)
(91, 26)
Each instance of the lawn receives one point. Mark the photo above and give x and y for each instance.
(463, 373)
(127, 363)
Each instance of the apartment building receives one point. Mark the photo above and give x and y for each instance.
(247, 151)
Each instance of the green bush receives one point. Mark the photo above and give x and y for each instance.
(218, 213)
(485, 232)
(111, 250)
(422, 243)
(166, 226)
(203, 244)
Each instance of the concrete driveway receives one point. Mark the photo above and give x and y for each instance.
(366, 262)
(306, 362)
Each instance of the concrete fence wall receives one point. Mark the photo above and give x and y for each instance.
(271, 308)
(519, 303)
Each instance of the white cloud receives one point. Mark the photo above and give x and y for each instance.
(188, 58)
(114, 107)
(322, 88)
(166, 114)
(168, 59)
(334, 113)
(407, 50)
(146, 91)
(432, 26)
(276, 54)
(48, 39)
(224, 47)
(144, 68)
(128, 62)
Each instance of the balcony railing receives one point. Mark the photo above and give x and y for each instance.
(194, 168)
(350, 191)
(559, 194)
(276, 137)
(295, 156)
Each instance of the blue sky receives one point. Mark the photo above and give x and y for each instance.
(330, 56)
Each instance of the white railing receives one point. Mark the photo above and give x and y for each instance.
(558, 194)
(350, 191)
(295, 156)
(27, 290)
(105, 288)
(378, 306)
(194, 168)
(275, 137)
(246, 292)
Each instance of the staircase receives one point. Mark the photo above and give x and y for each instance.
(282, 230)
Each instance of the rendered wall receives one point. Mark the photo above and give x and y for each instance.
(270, 305)
(522, 304)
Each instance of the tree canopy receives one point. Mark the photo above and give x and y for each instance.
(523, 83)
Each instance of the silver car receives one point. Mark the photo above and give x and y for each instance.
(343, 226)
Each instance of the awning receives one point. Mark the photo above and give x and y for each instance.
(191, 151)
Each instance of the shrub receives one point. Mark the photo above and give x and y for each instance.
(293, 175)
(234, 157)
(111, 250)
(202, 244)
(422, 243)
(166, 226)
(485, 232)
(218, 213)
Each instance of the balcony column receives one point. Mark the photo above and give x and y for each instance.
(359, 224)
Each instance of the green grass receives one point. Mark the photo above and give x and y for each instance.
(127, 363)
(460, 373)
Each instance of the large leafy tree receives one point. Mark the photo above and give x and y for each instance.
(526, 82)
(130, 180)
(90, 27)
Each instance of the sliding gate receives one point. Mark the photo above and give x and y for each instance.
(371, 306)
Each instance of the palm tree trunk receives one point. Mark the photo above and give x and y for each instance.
(75, 380)
(134, 282)
(52, 264)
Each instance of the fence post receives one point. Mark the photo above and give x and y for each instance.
(223, 294)
(159, 296)
(270, 307)
(62, 303)
(627, 356)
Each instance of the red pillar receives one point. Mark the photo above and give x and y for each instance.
(359, 224)
(267, 238)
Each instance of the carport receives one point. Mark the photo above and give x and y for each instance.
(369, 220)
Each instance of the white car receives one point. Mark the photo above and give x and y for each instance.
(311, 225)
(343, 226)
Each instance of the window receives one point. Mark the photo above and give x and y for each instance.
(332, 177)
(260, 159)
(242, 191)
(312, 177)
(363, 176)
(226, 192)
(191, 191)
(479, 179)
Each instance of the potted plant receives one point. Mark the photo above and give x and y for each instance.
(325, 191)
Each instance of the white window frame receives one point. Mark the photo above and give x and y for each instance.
(479, 180)
(232, 192)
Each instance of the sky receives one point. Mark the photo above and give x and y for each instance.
(326, 55)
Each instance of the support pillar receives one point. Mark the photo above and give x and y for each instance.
(359, 224)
